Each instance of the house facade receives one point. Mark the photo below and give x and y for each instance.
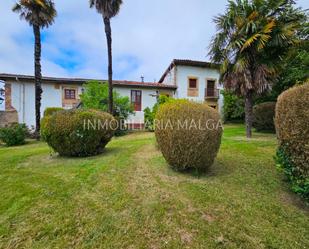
(198, 81)
(195, 80)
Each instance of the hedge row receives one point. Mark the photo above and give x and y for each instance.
(292, 119)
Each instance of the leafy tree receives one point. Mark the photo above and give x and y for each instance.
(252, 36)
(39, 14)
(108, 9)
(233, 107)
(296, 70)
(95, 96)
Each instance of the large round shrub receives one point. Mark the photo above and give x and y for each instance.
(78, 133)
(263, 116)
(292, 126)
(51, 110)
(188, 134)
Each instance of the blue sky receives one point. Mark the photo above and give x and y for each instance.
(147, 35)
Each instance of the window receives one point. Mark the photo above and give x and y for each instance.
(193, 87)
(211, 88)
(69, 93)
(192, 83)
(136, 100)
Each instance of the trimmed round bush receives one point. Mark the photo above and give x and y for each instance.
(292, 126)
(51, 110)
(188, 134)
(78, 133)
(263, 116)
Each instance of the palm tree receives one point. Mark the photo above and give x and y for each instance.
(252, 36)
(108, 9)
(39, 14)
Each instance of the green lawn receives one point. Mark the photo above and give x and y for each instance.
(129, 198)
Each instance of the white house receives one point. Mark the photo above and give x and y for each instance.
(193, 80)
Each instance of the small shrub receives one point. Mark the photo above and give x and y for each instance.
(95, 96)
(69, 132)
(264, 115)
(292, 119)
(14, 134)
(188, 134)
(149, 114)
(51, 110)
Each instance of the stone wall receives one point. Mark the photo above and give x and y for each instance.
(8, 117)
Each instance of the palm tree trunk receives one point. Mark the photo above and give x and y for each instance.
(249, 113)
(108, 32)
(38, 79)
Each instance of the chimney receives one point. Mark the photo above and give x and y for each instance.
(142, 78)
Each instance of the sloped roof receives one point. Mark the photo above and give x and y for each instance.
(123, 83)
(192, 63)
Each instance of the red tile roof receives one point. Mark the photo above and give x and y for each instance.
(120, 83)
(177, 62)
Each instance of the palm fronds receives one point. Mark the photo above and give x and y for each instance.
(246, 34)
(41, 13)
(108, 8)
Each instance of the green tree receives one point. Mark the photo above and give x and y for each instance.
(108, 9)
(296, 70)
(252, 37)
(294, 66)
(39, 14)
(233, 107)
(95, 96)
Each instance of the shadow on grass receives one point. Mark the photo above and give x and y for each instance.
(108, 151)
(216, 170)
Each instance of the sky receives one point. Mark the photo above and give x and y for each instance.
(147, 35)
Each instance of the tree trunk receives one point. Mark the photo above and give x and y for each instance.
(108, 32)
(249, 113)
(38, 79)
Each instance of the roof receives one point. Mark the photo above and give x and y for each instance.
(120, 83)
(191, 63)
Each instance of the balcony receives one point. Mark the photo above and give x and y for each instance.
(211, 93)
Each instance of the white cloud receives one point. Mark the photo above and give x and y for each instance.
(147, 35)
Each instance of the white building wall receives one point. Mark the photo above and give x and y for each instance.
(23, 100)
(170, 78)
(148, 100)
(183, 72)
(221, 99)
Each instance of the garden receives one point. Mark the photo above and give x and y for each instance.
(173, 188)
(128, 197)
(190, 179)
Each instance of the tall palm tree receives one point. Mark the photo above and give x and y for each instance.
(252, 36)
(108, 9)
(39, 14)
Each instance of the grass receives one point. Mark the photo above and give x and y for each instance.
(129, 198)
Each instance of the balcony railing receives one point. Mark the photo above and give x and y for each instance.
(211, 93)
